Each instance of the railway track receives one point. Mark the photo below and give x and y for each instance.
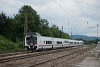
(18, 56)
(13, 53)
(20, 52)
(54, 62)
(17, 53)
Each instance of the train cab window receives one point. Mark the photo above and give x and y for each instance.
(35, 40)
(31, 39)
(27, 38)
(59, 42)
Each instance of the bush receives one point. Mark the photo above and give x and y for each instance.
(8, 46)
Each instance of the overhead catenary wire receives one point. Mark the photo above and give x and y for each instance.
(66, 11)
(18, 2)
(73, 13)
(69, 9)
(67, 6)
(9, 5)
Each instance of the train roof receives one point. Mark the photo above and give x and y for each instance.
(38, 35)
(33, 34)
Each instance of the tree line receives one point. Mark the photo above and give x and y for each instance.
(13, 27)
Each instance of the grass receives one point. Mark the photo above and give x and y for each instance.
(8, 46)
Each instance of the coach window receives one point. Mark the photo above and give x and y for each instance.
(44, 41)
(81, 43)
(48, 42)
(71, 42)
(59, 42)
(66, 41)
(75, 43)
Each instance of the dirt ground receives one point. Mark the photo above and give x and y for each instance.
(93, 60)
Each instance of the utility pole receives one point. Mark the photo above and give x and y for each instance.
(26, 23)
(71, 35)
(94, 35)
(97, 30)
(25, 26)
(62, 32)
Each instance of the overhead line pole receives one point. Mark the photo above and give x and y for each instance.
(97, 30)
(25, 26)
(26, 23)
(62, 31)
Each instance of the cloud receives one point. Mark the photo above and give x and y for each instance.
(67, 13)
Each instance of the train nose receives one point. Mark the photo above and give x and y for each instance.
(31, 44)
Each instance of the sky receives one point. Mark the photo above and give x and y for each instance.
(80, 17)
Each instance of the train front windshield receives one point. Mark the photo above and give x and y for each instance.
(31, 40)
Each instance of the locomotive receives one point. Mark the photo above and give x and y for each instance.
(35, 41)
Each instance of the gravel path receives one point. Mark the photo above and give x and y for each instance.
(93, 60)
(34, 60)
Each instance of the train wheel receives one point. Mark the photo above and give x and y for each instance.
(42, 48)
(62, 46)
(26, 48)
(35, 47)
(31, 48)
(52, 46)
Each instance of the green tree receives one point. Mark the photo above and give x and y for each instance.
(44, 28)
(5, 25)
(19, 21)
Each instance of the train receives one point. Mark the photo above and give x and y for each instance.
(98, 44)
(35, 41)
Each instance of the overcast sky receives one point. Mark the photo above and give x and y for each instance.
(74, 15)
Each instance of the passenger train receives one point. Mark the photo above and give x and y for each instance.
(98, 45)
(35, 42)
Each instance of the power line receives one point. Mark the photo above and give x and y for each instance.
(9, 5)
(66, 11)
(67, 7)
(61, 7)
(17, 2)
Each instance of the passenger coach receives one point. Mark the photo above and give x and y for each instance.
(36, 41)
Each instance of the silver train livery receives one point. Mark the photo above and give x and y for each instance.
(36, 42)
